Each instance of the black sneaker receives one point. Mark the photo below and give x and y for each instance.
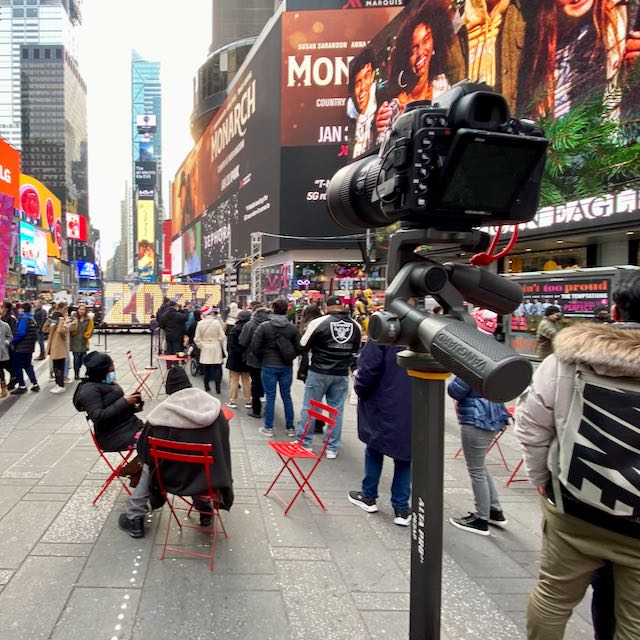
(206, 519)
(11, 386)
(135, 527)
(19, 391)
(35, 388)
(366, 504)
(403, 517)
(472, 524)
(255, 415)
(496, 517)
(291, 432)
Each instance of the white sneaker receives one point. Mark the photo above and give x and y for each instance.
(57, 389)
(331, 455)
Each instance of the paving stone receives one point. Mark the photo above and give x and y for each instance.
(26, 442)
(46, 497)
(79, 520)
(387, 625)
(8, 458)
(376, 601)
(316, 598)
(61, 549)
(301, 553)
(244, 582)
(6, 575)
(32, 602)
(21, 528)
(10, 496)
(361, 557)
(71, 468)
(98, 610)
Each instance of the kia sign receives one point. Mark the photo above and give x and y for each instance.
(146, 123)
(146, 194)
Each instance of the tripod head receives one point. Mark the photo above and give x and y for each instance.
(489, 367)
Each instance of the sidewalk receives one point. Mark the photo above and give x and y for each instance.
(67, 571)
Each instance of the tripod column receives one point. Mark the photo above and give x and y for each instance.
(427, 447)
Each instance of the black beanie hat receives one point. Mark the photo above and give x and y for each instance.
(550, 310)
(177, 380)
(97, 364)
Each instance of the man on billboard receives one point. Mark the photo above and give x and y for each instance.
(362, 104)
(146, 260)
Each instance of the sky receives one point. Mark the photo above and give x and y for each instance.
(160, 30)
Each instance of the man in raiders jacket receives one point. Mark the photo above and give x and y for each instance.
(333, 340)
(579, 426)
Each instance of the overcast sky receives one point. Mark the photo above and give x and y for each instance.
(178, 35)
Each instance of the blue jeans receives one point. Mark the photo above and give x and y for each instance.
(78, 361)
(336, 389)
(401, 485)
(21, 363)
(271, 378)
(43, 351)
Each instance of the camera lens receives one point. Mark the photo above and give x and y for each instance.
(349, 195)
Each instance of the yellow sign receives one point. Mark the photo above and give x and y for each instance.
(40, 207)
(146, 222)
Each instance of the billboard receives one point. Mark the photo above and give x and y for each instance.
(542, 56)
(234, 168)
(147, 153)
(146, 238)
(40, 252)
(87, 270)
(9, 192)
(305, 5)
(145, 174)
(146, 123)
(176, 257)
(77, 227)
(316, 51)
(192, 249)
(166, 245)
(38, 206)
(27, 248)
(133, 304)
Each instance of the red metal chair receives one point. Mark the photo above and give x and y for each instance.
(140, 376)
(187, 453)
(125, 457)
(494, 443)
(289, 452)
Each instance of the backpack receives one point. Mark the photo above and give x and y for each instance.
(594, 458)
(284, 347)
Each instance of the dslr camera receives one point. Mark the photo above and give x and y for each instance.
(459, 163)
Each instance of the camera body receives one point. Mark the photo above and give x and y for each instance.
(460, 163)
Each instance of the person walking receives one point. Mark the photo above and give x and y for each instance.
(80, 336)
(237, 363)
(276, 344)
(40, 316)
(384, 425)
(232, 317)
(5, 363)
(578, 424)
(7, 315)
(173, 322)
(480, 420)
(260, 315)
(24, 343)
(547, 330)
(209, 338)
(57, 328)
(333, 340)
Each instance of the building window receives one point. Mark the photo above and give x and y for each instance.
(18, 13)
(58, 54)
(25, 54)
(32, 13)
(33, 3)
(36, 54)
(47, 54)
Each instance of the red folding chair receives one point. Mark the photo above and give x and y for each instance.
(289, 452)
(125, 457)
(188, 453)
(140, 376)
(494, 443)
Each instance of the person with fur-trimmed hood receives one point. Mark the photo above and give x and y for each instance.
(186, 415)
(579, 426)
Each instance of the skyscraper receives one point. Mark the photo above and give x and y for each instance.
(146, 129)
(29, 22)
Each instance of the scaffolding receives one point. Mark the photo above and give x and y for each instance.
(256, 266)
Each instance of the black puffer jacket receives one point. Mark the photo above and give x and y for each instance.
(263, 343)
(26, 335)
(190, 415)
(247, 334)
(174, 323)
(236, 353)
(113, 418)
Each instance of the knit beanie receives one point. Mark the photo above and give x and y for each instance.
(177, 379)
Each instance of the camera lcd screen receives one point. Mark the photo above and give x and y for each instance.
(485, 172)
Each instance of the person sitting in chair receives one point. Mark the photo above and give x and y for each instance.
(186, 415)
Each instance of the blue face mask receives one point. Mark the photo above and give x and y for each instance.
(111, 377)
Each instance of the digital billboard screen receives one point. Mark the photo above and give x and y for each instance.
(146, 152)
(41, 251)
(176, 257)
(77, 227)
(27, 248)
(39, 207)
(192, 249)
(87, 270)
(145, 174)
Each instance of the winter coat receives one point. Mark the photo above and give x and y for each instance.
(547, 406)
(57, 342)
(10, 319)
(333, 339)
(114, 420)
(80, 336)
(384, 401)
(209, 338)
(5, 340)
(26, 336)
(173, 323)
(547, 331)
(40, 316)
(161, 311)
(263, 343)
(191, 415)
(247, 334)
(472, 408)
(236, 353)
